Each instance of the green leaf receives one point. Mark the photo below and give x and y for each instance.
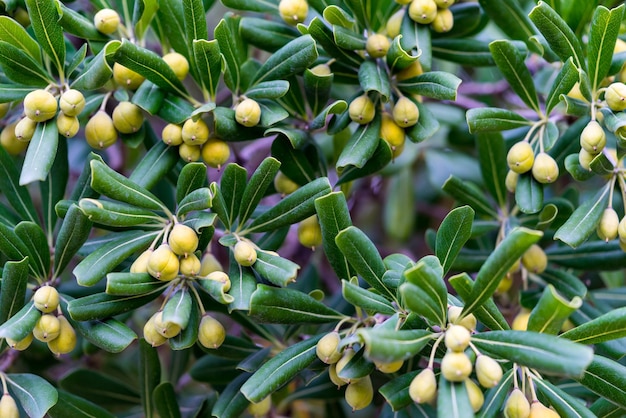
(252, 6)
(268, 35)
(35, 240)
(565, 80)
(192, 177)
(453, 233)
(199, 199)
(397, 58)
(605, 27)
(374, 78)
(154, 165)
(175, 109)
(551, 311)
(510, 18)
(453, 400)
(33, 393)
(546, 353)
(572, 165)
(419, 301)
(128, 284)
(429, 279)
(291, 59)
(609, 326)
(218, 290)
(12, 246)
(243, 285)
(41, 152)
(17, 195)
(20, 67)
(233, 50)
(417, 37)
(493, 119)
(208, 62)
(438, 85)
(149, 97)
(177, 310)
(275, 269)
(496, 396)
(12, 92)
(334, 216)
(498, 264)
(492, 157)
(71, 405)
(366, 299)
(489, 314)
(324, 37)
(607, 378)
(13, 290)
(149, 375)
(98, 71)
(388, 345)
(72, 235)
(396, 392)
(584, 219)
(468, 193)
(15, 34)
(566, 283)
(100, 388)
(106, 212)
(280, 369)
(565, 404)
(358, 366)
(76, 24)
(528, 194)
(470, 52)
(268, 90)
(21, 324)
(232, 403)
(110, 334)
(53, 188)
(44, 19)
(361, 145)
(231, 189)
(101, 305)
(254, 191)
(348, 39)
(165, 401)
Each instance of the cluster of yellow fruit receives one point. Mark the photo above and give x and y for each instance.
(55, 330)
(518, 406)
(156, 331)
(521, 159)
(435, 13)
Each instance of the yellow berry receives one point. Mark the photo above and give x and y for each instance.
(221, 277)
(25, 129)
(443, 4)
(575, 92)
(284, 185)
(209, 264)
(190, 265)
(394, 23)
(585, 158)
(151, 335)
(248, 113)
(189, 153)
(332, 374)
(468, 321)
(423, 387)
(46, 299)
(310, 232)
(126, 77)
(67, 126)
(475, 395)
(140, 265)
(593, 138)
(392, 367)
(166, 329)
(293, 11)
(100, 131)
(10, 142)
(321, 70)
(215, 153)
(423, 11)
(520, 157)
(360, 393)
(517, 405)
(178, 63)
(72, 102)
(413, 70)
(545, 168)
(40, 105)
(511, 181)
(163, 263)
(172, 134)
(505, 284)
(244, 253)
(211, 333)
(47, 328)
(195, 132)
(21, 345)
(183, 240)
(327, 348)
(488, 371)
(405, 112)
(377, 45)
(361, 110)
(608, 226)
(8, 407)
(615, 96)
(260, 409)
(539, 410)
(66, 341)
(443, 22)
(347, 355)
(535, 259)
(457, 338)
(127, 117)
(520, 322)
(106, 21)
(391, 132)
(621, 229)
(456, 367)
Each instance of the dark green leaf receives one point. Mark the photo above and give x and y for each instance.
(209, 63)
(21, 324)
(165, 401)
(511, 18)
(33, 393)
(53, 188)
(565, 80)
(435, 84)
(493, 119)
(388, 345)
(607, 378)
(463, 51)
(44, 19)
(13, 290)
(361, 145)
(128, 284)
(20, 67)
(69, 405)
(72, 235)
(489, 313)
(101, 305)
(177, 310)
(605, 27)
(275, 269)
(291, 59)
(149, 375)
(154, 165)
(35, 240)
(496, 396)
(467, 193)
(15, 34)
(256, 187)
(374, 78)
(192, 177)
(565, 404)
(100, 388)
(453, 233)
(106, 212)
(41, 152)
(528, 194)
(243, 285)
(366, 299)
(609, 326)
(453, 400)
(334, 216)
(231, 402)
(551, 311)
(199, 199)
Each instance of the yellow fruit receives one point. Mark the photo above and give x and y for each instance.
(332, 374)
(178, 63)
(261, 408)
(585, 158)
(511, 181)
(166, 329)
(456, 367)
(389, 367)
(405, 112)
(10, 142)
(106, 21)
(475, 395)
(209, 264)
(127, 117)
(535, 259)
(189, 153)
(46, 299)
(620, 46)
(609, 223)
(4, 109)
(505, 284)
(621, 229)
(40, 105)
(221, 277)
(172, 134)
(310, 232)
(284, 185)
(423, 11)
(47, 328)
(151, 335)
(457, 338)
(163, 263)
(443, 22)
(377, 45)
(347, 355)
(67, 126)
(413, 70)
(539, 410)
(125, 77)
(66, 341)
(423, 387)
(293, 11)
(245, 254)
(575, 93)
(391, 132)
(545, 168)
(22, 344)
(321, 70)
(517, 405)
(360, 393)
(211, 333)
(443, 4)
(25, 129)
(195, 132)
(72, 102)
(215, 153)
(183, 240)
(394, 23)
(8, 407)
(488, 371)
(100, 131)
(593, 138)
(468, 321)
(520, 322)
(520, 157)
(248, 113)
(140, 265)
(361, 110)
(327, 348)
(615, 96)
(190, 265)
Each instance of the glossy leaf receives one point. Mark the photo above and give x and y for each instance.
(291, 59)
(35, 240)
(41, 152)
(565, 80)
(564, 403)
(177, 310)
(101, 305)
(388, 345)
(15, 34)
(243, 285)
(109, 334)
(231, 402)
(208, 62)
(13, 290)
(463, 51)
(493, 119)
(192, 177)
(106, 212)
(155, 164)
(492, 157)
(13, 247)
(17, 195)
(361, 145)
(150, 375)
(275, 269)
(20, 67)
(602, 36)
(334, 216)
(609, 326)
(467, 193)
(419, 301)
(529, 194)
(435, 84)
(510, 18)
(452, 234)
(607, 378)
(453, 400)
(128, 284)
(373, 78)
(551, 311)
(496, 396)
(396, 392)
(430, 281)
(165, 401)
(34, 393)
(260, 180)
(489, 314)
(21, 324)
(366, 299)
(53, 188)
(68, 405)
(100, 388)
(44, 19)
(232, 187)
(72, 235)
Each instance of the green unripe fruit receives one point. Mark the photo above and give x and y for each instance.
(423, 11)
(221, 277)
(517, 405)
(67, 126)
(593, 138)
(405, 112)
(245, 254)
(468, 321)
(321, 70)
(535, 259)
(293, 11)
(72, 102)
(475, 395)
(585, 158)
(10, 142)
(189, 153)
(545, 169)
(248, 113)
(389, 367)
(151, 335)
(615, 96)
(539, 410)
(327, 348)
(457, 338)
(284, 185)
(310, 232)
(456, 367)
(172, 134)
(511, 181)
(183, 240)
(488, 371)
(22, 344)
(423, 387)
(66, 341)
(443, 22)
(166, 329)
(608, 226)
(190, 265)
(211, 333)
(25, 129)
(8, 407)
(520, 322)
(47, 328)
(178, 63)
(127, 117)
(215, 153)
(260, 409)
(332, 374)
(46, 299)
(520, 157)
(362, 110)
(195, 132)
(40, 105)
(360, 393)
(394, 23)
(140, 265)
(100, 131)
(209, 264)
(106, 21)
(163, 263)
(377, 45)
(347, 355)
(444, 4)
(4, 109)
(125, 77)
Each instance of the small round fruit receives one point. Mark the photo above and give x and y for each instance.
(327, 348)
(178, 63)
(209, 264)
(248, 113)
(457, 338)
(585, 158)
(362, 110)
(189, 153)
(505, 284)
(40, 105)
(151, 335)
(391, 132)
(468, 321)
(166, 329)
(545, 169)
(535, 259)
(66, 341)
(609, 223)
(284, 185)
(443, 22)
(163, 263)
(260, 409)
(183, 240)
(539, 410)
(475, 395)
(488, 371)
(127, 117)
(195, 132)
(106, 21)
(423, 11)
(423, 387)
(621, 229)
(25, 129)
(392, 367)
(10, 142)
(46, 299)
(310, 232)
(190, 265)
(321, 70)
(360, 393)
(22, 344)
(47, 328)
(520, 322)
(172, 134)
(100, 131)
(215, 153)
(126, 77)
(615, 96)
(413, 70)
(220, 277)
(211, 333)
(245, 254)
(140, 265)
(443, 4)
(511, 181)
(520, 157)
(293, 11)
(405, 112)
(332, 374)
(394, 23)
(593, 138)
(72, 102)
(67, 126)
(347, 355)
(517, 405)
(377, 45)
(456, 367)
(8, 407)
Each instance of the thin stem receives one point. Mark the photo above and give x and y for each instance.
(431, 360)
(533, 394)
(611, 190)
(515, 382)
(475, 350)
(197, 296)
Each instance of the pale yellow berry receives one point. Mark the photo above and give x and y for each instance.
(539, 410)
(140, 265)
(163, 263)
(443, 22)
(468, 321)
(106, 21)
(67, 126)
(332, 374)
(457, 338)
(517, 406)
(100, 131)
(284, 184)
(244, 253)
(260, 409)
(585, 158)
(166, 329)
(190, 265)
(211, 333)
(151, 335)
(456, 367)
(178, 63)
(125, 77)
(377, 45)
(520, 157)
(359, 393)
(127, 117)
(25, 129)
(413, 70)
(475, 395)
(321, 70)
(46, 299)
(423, 11)
(347, 355)
(327, 348)
(405, 112)
(392, 134)
(520, 322)
(293, 11)
(66, 341)
(10, 142)
(189, 153)
(72, 102)
(310, 232)
(423, 387)
(443, 4)
(593, 138)
(195, 132)
(22, 344)
(47, 328)
(8, 407)
(394, 23)
(390, 367)
(362, 110)
(183, 240)
(615, 96)
(535, 259)
(209, 264)
(221, 277)
(545, 169)
(608, 226)
(511, 181)
(488, 371)
(172, 134)
(248, 113)
(40, 105)
(215, 153)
